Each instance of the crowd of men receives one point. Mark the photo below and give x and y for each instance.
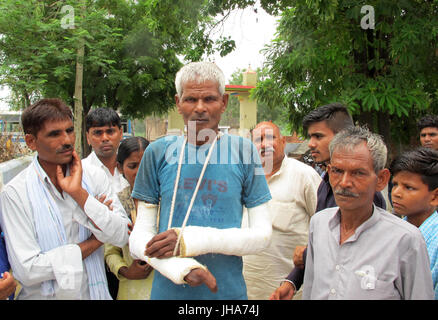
(208, 215)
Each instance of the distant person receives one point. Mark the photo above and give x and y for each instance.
(293, 186)
(428, 127)
(358, 250)
(135, 276)
(53, 224)
(415, 196)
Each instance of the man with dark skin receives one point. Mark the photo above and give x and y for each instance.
(322, 124)
(428, 127)
(344, 260)
(56, 182)
(200, 239)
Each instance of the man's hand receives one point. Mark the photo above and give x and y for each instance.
(298, 256)
(285, 292)
(89, 246)
(7, 285)
(137, 270)
(199, 276)
(162, 245)
(72, 184)
(108, 203)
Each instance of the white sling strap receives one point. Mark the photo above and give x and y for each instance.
(178, 173)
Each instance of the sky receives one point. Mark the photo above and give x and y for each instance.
(251, 31)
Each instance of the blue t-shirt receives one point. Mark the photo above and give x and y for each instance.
(234, 178)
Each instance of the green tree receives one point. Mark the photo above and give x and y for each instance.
(130, 53)
(388, 76)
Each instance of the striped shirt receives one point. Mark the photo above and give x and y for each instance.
(429, 230)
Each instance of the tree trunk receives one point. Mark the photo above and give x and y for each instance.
(384, 130)
(78, 112)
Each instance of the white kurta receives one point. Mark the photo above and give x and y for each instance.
(293, 189)
(29, 264)
(118, 182)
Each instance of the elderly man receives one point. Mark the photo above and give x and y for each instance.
(428, 127)
(293, 186)
(322, 124)
(201, 183)
(53, 224)
(357, 250)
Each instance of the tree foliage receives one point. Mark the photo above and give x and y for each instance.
(132, 50)
(388, 76)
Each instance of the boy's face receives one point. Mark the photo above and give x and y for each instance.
(411, 196)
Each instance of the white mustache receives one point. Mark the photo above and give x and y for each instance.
(268, 149)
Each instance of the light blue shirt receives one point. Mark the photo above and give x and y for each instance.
(429, 230)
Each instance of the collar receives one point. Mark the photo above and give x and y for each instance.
(95, 160)
(432, 219)
(335, 223)
(281, 169)
(46, 179)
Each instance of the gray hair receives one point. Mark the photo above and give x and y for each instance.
(200, 72)
(351, 137)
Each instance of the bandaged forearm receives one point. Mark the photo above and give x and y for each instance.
(145, 227)
(233, 241)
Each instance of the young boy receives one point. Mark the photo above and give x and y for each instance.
(415, 196)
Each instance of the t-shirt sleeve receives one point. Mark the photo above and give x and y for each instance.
(256, 190)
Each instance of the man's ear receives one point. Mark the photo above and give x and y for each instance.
(434, 201)
(225, 98)
(177, 103)
(329, 167)
(382, 179)
(30, 140)
(88, 140)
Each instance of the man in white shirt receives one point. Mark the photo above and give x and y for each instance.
(53, 224)
(104, 133)
(293, 186)
(358, 250)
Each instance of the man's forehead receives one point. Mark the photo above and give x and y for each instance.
(429, 129)
(207, 87)
(51, 125)
(320, 127)
(358, 155)
(108, 126)
(266, 128)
